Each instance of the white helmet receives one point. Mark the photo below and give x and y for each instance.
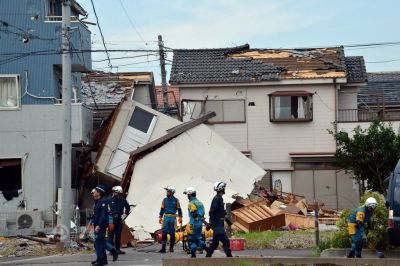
(371, 202)
(170, 188)
(117, 189)
(190, 191)
(219, 186)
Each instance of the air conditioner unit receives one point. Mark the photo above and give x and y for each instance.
(29, 220)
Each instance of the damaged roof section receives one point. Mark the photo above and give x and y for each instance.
(242, 64)
(383, 88)
(215, 66)
(110, 88)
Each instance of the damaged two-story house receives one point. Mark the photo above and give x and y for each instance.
(31, 113)
(276, 106)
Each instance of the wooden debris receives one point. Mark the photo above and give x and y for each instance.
(36, 239)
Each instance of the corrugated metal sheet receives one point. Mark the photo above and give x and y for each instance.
(24, 59)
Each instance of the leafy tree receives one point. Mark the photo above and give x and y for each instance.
(370, 154)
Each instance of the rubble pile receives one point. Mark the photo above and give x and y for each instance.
(269, 210)
(18, 247)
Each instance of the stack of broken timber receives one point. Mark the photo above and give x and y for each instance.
(258, 216)
(266, 210)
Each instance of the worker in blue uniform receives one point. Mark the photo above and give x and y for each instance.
(356, 226)
(169, 206)
(196, 216)
(217, 218)
(119, 206)
(101, 220)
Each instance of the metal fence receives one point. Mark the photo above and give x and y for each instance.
(367, 115)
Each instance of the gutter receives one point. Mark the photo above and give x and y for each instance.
(268, 83)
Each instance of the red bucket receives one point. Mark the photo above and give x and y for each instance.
(236, 244)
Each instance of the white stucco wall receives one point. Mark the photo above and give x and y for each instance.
(199, 158)
(31, 134)
(270, 143)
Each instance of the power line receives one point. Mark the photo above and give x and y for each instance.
(101, 33)
(125, 57)
(372, 44)
(131, 22)
(383, 61)
(137, 63)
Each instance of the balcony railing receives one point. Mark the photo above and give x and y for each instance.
(367, 115)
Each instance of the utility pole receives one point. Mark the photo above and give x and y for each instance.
(66, 145)
(163, 73)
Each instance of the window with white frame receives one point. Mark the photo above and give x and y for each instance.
(289, 106)
(226, 111)
(9, 92)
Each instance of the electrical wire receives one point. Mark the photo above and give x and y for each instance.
(131, 22)
(126, 57)
(137, 63)
(101, 33)
(383, 61)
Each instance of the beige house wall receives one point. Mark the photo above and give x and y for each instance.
(270, 143)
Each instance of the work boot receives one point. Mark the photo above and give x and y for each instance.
(99, 264)
(114, 254)
(351, 254)
(162, 250)
(171, 244)
(193, 254)
(358, 256)
(94, 262)
(121, 252)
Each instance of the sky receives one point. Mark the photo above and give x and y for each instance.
(189, 24)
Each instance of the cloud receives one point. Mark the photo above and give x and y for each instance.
(220, 23)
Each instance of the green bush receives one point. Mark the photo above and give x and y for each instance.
(376, 236)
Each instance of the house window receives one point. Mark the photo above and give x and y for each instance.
(141, 120)
(290, 106)
(9, 92)
(10, 174)
(227, 111)
(53, 8)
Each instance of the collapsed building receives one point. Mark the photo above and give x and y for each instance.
(145, 151)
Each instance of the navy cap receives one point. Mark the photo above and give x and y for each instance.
(101, 188)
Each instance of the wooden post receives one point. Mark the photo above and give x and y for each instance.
(316, 223)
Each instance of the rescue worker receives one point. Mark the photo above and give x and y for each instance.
(217, 218)
(109, 245)
(119, 206)
(196, 216)
(100, 220)
(169, 206)
(356, 226)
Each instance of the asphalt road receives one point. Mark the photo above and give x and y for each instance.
(145, 256)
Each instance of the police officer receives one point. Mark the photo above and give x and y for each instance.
(217, 218)
(196, 216)
(100, 220)
(169, 206)
(118, 205)
(356, 226)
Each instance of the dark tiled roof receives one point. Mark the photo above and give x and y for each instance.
(242, 64)
(213, 66)
(381, 87)
(355, 67)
